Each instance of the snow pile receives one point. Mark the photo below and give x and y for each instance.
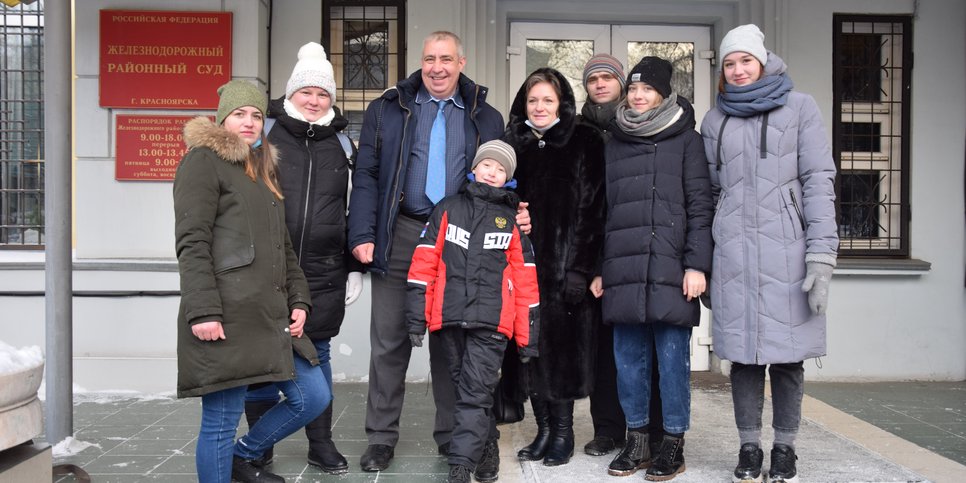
(70, 446)
(42, 392)
(15, 360)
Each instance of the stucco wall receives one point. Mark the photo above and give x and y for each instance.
(901, 327)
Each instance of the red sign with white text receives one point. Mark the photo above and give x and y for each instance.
(164, 59)
(149, 148)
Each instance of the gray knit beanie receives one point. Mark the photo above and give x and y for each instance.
(239, 93)
(311, 70)
(604, 63)
(744, 38)
(500, 152)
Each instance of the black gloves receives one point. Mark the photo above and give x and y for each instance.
(575, 287)
(416, 339)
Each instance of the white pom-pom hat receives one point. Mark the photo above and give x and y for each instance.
(311, 70)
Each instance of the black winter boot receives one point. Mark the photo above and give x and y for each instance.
(782, 468)
(488, 469)
(749, 464)
(561, 434)
(322, 451)
(244, 471)
(600, 445)
(636, 455)
(669, 462)
(459, 474)
(538, 448)
(254, 410)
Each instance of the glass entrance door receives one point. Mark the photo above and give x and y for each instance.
(567, 47)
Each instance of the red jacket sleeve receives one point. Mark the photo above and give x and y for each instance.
(526, 324)
(424, 272)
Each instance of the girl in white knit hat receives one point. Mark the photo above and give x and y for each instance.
(313, 171)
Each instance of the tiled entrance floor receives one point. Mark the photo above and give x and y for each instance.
(930, 414)
(153, 438)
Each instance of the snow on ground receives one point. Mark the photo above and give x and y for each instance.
(70, 446)
(113, 395)
(107, 396)
(15, 360)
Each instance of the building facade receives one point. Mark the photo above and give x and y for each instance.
(898, 298)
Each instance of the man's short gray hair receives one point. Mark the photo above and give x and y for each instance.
(445, 35)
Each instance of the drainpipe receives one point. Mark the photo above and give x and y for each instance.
(57, 222)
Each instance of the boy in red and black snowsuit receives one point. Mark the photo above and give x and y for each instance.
(473, 282)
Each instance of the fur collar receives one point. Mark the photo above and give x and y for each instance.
(519, 134)
(201, 132)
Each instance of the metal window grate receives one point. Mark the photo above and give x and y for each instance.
(871, 98)
(366, 43)
(21, 126)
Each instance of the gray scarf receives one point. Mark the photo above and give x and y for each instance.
(652, 121)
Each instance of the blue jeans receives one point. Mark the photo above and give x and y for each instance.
(306, 396)
(634, 346)
(270, 392)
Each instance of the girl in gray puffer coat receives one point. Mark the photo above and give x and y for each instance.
(775, 241)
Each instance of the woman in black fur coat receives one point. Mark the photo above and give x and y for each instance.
(560, 173)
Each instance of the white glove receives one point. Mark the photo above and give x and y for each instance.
(353, 287)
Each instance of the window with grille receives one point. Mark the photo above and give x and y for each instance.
(366, 45)
(872, 73)
(21, 126)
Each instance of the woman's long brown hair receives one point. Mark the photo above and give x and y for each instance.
(261, 165)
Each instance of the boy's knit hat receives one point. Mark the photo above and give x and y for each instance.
(607, 63)
(500, 152)
(744, 38)
(655, 72)
(311, 70)
(239, 93)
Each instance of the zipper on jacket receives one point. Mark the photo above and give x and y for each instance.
(720, 133)
(764, 136)
(395, 203)
(308, 194)
(479, 137)
(798, 211)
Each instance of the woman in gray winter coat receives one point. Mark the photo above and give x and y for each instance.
(775, 242)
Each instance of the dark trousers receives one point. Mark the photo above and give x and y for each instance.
(787, 390)
(474, 357)
(391, 349)
(605, 406)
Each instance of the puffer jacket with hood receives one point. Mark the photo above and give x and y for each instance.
(775, 211)
(237, 266)
(313, 171)
(561, 175)
(659, 214)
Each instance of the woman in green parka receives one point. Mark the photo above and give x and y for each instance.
(244, 298)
